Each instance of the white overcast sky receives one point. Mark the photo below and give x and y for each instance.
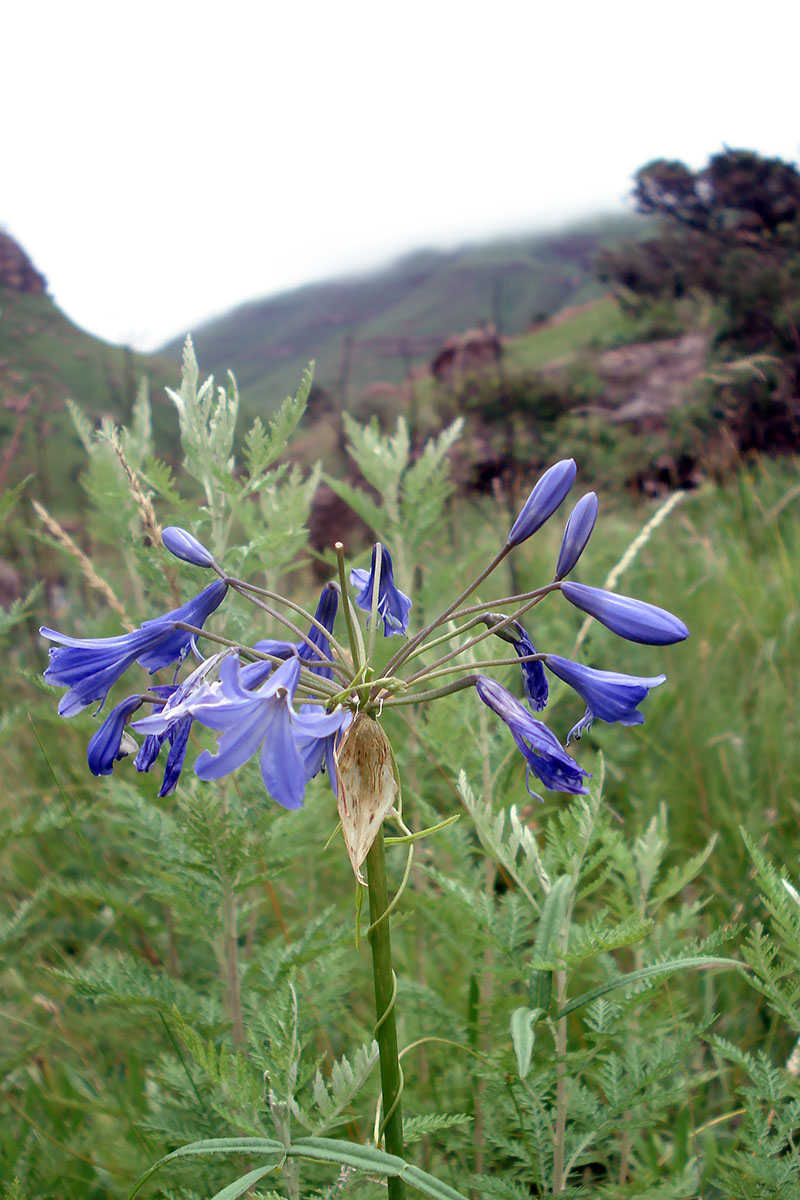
(162, 162)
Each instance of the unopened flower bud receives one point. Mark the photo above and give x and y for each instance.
(186, 546)
(543, 500)
(628, 618)
(577, 533)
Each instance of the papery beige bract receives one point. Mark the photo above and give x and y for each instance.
(367, 787)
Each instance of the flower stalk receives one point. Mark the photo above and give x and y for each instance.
(385, 983)
(353, 634)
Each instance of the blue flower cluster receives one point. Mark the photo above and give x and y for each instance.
(250, 704)
(609, 695)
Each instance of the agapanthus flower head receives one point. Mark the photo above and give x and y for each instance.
(608, 695)
(326, 615)
(185, 545)
(89, 667)
(627, 617)
(542, 751)
(261, 720)
(580, 524)
(393, 605)
(533, 676)
(543, 501)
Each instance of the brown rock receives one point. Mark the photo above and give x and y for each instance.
(17, 272)
(465, 352)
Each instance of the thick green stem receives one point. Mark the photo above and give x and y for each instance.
(385, 995)
(561, 1088)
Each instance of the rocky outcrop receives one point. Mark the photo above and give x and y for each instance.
(17, 272)
(466, 352)
(649, 380)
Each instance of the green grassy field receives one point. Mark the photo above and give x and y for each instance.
(180, 969)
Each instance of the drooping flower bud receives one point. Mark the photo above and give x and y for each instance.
(533, 676)
(186, 546)
(627, 617)
(543, 501)
(580, 524)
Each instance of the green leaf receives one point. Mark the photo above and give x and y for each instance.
(350, 1154)
(591, 942)
(11, 495)
(555, 905)
(213, 1146)
(428, 484)
(83, 426)
(263, 446)
(367, 1158)
(243, 1183)
(522, 1035)
(381, 458)
(552, 916)
(417, 1128)
(346, 1081)
(677, 878)
(541, 989)
(664, 968)
(429, 1186)
(362, 504)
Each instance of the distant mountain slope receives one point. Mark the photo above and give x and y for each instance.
(373, 326)
(44, 360)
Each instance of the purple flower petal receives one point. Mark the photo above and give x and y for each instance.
(104, 748)
(393, 605)
(263, 720)
(608, 695)
(90, 667)
(542, 751)
(533, 676)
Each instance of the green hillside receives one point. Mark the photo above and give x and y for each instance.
(372, 327)
(45, 360)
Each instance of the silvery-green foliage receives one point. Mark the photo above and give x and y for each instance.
(508, 840)
(113, 510)
(411, 494)
(766, 1163)
(262, 446)
(275, 524)
(137, 438)
(334, 1095)
(208, 424)
(14, 613)
(594, 894)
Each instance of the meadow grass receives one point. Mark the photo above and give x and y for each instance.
(181, 968)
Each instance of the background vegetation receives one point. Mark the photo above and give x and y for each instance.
(187, 968)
